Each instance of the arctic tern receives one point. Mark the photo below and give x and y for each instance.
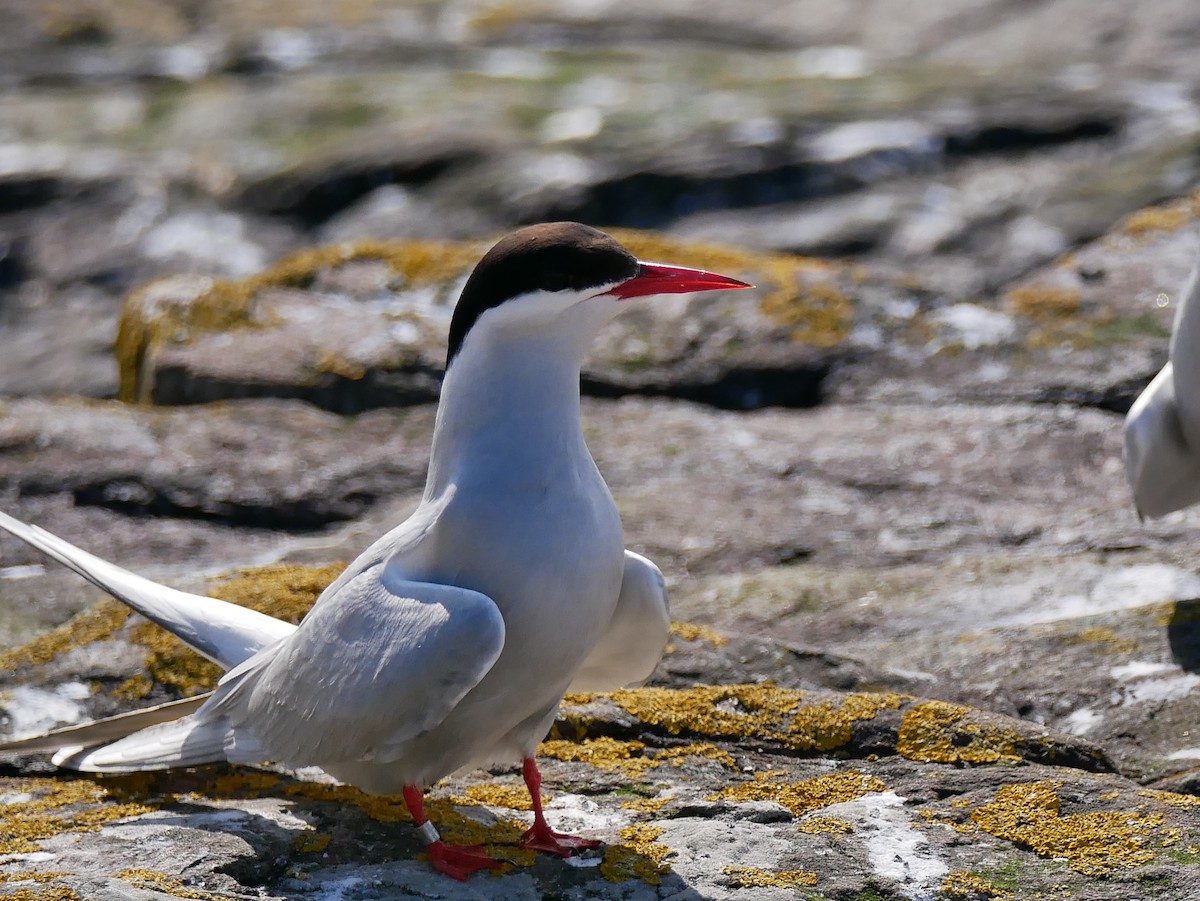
(1162, 428)
(450, 641)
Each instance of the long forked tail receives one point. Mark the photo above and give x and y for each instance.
(88, 735)
(224, 633)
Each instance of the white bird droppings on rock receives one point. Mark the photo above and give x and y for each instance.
(896, 851)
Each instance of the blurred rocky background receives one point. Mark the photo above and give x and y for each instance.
(895, 467)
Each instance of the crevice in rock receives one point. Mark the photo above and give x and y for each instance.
(655, 199)
(1018, 138)
(136, 497)
(1114, 398)
(740, 388)
(177, 386)
(313, 197)
(28, 192)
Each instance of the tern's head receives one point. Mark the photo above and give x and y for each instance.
(561, 276)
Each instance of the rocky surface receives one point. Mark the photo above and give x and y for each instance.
(885, 487)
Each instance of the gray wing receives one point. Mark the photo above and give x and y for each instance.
(632, 645)
(375, 664)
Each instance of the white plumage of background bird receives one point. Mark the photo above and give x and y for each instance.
(450, 641)
(1162, 428)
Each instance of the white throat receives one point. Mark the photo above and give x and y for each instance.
(510, 400)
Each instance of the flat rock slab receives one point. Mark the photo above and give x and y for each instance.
(356, 326)
(719, 796)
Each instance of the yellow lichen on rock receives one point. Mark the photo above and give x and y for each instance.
(822, 825)
(647, 805)
(488, 794)
(177, 308)
(763, 711)
(1165, 217)
(829, 726)
(750, 877)
(48, 893)
(58, 806)
(284, 591)
(638, 856)
(935, 731)
(1106, 638)
(310, 841)
(801, 291)
(1045, 303)
(161, 882)
(1093, 843)
(605, 753)
(100, 622)
(971, 887)
(1174, 799)
(698, 750)
(697, 632)
(804, 796)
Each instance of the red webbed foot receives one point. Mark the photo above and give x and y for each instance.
(459, 861)
(541, 837)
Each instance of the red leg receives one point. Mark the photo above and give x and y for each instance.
(539, 836)
(459, 861)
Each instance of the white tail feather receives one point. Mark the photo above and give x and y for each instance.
(88, 735)
(224, 633)
(183, 742)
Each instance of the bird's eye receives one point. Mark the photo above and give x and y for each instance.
(556, 280)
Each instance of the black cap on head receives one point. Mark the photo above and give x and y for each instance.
(554, 256)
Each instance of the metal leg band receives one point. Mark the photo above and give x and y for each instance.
(428, 834)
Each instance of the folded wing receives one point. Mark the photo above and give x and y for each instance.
(632, 645)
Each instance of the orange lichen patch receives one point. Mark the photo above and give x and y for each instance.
(804, 796)
(1174, 799)
(935, 731)
(311, 842)
(96, 624)
(57, 806)
(749, 877)
(513, 797)
(152, 879)
(1045, 302)
(638, 856)
(765, 712)
(697, 632)
(820, 825)
(284, 591)
(971, 887)
(1094, 843)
